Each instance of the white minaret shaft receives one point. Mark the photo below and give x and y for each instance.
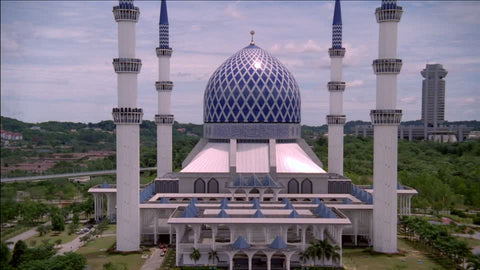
(386, 119)
(164, 118)
(336, 119)
(127, 117)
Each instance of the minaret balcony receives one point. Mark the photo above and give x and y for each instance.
(164, 119)
(388, 14)
(336, 52)
(336, 119)
(127, 115)
(336, 86)
(164, 52)
(164, 86)
(126, 14)
(387, 66)
(127, 65)
(386, 117)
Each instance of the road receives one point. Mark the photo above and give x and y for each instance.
(23, 236)
(65, 175)
(154, 261)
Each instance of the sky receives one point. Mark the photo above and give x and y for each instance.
(56, 56)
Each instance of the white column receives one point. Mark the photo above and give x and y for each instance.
(386, 119)
(155, 226)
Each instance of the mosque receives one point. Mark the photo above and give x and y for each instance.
(252, 191)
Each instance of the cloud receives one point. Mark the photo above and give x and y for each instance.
(355, 83)
(409, 100)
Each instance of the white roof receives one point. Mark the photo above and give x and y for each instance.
(212, 159)
(292, 159)
(252, 158)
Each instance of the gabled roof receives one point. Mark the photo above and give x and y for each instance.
(258, 214)
(240, 243)
(278, 243)
(294, 214)
(222, 214)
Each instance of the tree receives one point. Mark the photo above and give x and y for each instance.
(58, 222)
(322, 249)
(195, 255)
(75, 219)
(213, 255)
(18, 251)
(4, 256)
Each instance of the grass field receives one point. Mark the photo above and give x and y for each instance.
(360, 259)
(95, 252)
(51, 237)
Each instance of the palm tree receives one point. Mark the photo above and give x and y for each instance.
(322, 249)
(195, 255)
(473, 262)
(213, 255)
(304, 256)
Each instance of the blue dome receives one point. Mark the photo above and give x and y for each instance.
(252, 86)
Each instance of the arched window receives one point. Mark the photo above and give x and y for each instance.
(213, 186)
(199, 186)
(293, 186)
(307, 186)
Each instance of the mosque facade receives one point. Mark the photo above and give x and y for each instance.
(252, 190)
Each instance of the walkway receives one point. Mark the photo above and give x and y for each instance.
(65, 175)
(23, 236)
(155, 260)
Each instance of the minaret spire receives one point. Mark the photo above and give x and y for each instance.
(336, 119)
(164, 27)
(337, 26)
(164, 118)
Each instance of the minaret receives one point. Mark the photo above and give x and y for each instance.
(336, 119)
(164, 86)
(127, 117)
(385, 120)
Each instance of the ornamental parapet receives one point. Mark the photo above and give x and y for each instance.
(129, 13)
(127, 65)
(164, 85)
(164, 52)
(392, 14)
(164, 119)
(336, 119)
(387, 66)
(127, 115)
(335, 52)
(336, 86)
(386, 117)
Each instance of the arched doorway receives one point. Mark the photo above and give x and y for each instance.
(307, 186)
(293, 186)
(213, 186)
(199, 186)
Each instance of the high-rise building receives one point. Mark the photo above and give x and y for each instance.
(433, 95)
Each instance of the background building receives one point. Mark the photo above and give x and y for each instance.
(433, 95)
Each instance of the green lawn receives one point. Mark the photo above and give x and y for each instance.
(471, 242)
(111, 229)
(95, 252)
(359, 259)
(51, 237)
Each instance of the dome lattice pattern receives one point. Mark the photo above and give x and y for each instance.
(252, 87)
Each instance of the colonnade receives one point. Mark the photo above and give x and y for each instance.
(404, 205)
(99, 206)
